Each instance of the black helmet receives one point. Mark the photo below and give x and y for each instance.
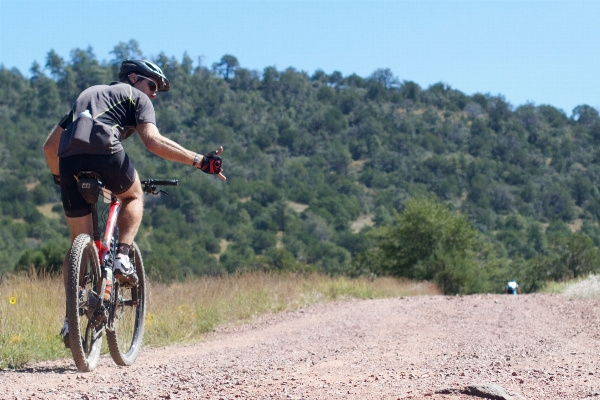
(145, 68)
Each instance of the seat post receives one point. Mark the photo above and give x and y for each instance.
(95, 226)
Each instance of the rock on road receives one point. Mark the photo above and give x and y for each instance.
(425, 347)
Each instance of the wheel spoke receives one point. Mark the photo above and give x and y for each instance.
(125, 339)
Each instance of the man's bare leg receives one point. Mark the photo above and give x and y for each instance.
(128, 222)
(132, 210)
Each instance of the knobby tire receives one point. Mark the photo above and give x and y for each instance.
(129, 304)
(83, 292)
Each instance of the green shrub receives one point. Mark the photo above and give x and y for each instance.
(430, 242)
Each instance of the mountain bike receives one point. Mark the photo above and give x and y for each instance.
(96, 303)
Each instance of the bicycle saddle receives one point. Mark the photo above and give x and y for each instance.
(89, 184)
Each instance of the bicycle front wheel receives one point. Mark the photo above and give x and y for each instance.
(84, 302)
(129, 316)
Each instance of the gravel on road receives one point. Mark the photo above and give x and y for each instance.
(425, 347)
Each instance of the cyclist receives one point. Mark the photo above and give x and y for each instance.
(88, 138)
(512, 288)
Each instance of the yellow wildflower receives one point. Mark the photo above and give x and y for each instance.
(16, 339)
(12, 300)
(184, 308)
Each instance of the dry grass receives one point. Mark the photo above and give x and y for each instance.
(361, 222)
(298, 207)
(576, 225)
(585, 288)
(31, 315)
(46, 211)
(32, 307)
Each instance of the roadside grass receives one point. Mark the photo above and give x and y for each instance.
(587, 287)
(31, 313)
(32, 307)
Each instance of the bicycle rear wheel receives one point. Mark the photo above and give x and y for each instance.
(83, 300)
(129, 308)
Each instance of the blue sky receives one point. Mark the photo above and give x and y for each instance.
(543, 52)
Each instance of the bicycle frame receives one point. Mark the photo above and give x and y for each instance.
(111, 222)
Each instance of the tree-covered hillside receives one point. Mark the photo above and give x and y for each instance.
(318, 166)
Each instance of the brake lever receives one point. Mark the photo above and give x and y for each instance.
(152, 189)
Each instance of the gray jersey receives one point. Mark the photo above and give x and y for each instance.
(102, 117)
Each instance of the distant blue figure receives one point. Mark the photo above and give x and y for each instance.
(512, 288)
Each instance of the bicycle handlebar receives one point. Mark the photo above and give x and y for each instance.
(149, 185)
(163, 182)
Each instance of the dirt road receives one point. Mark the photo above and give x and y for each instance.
(534, 346)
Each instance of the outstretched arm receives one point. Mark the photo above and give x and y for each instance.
(167, 148)
(162, 146)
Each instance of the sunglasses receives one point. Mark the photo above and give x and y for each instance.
(151, 83)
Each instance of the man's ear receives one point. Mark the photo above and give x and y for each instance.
(133, 77)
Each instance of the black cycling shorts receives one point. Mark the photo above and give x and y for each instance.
(116, 170)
